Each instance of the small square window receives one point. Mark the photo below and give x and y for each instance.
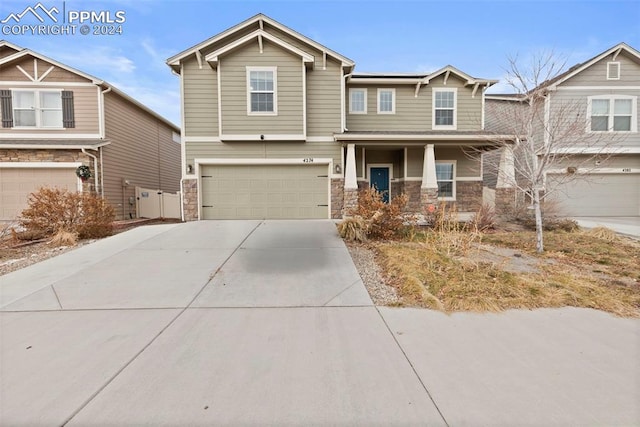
(613, 71)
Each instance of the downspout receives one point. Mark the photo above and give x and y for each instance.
(101, 173)
(95, 168)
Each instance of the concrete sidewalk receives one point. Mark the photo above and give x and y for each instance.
(268, 322)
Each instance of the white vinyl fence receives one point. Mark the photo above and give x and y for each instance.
(157, 204)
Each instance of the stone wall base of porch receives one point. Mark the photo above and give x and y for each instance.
(428, 199)
(350, 201)
(505, 201)
(337, 197)
(190, 199)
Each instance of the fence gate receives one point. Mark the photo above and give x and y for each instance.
(157, 204)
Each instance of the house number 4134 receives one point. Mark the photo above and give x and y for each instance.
(308, 160)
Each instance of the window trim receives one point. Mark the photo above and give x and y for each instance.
(435, 90)
(274, 70)
(393, 100)
(37, 108)
(453, 180)
(634, 113)
(609, 67)
(358, 89)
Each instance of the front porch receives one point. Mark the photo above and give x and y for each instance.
(428, 173)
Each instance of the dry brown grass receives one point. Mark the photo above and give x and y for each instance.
(63, 238)
(433, 271)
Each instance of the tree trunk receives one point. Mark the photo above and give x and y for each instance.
(538, 213)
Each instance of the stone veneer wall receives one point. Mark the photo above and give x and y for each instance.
(468, 196)
(505, 201)
(190, 199)
(44, 155)
(337, 197)
(412, 190)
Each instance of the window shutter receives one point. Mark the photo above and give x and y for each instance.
(7, 108)
(68, 120)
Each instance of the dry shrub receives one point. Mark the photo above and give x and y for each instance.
(51, 210)
(444, 218)
(353, 229)
(484, 219)
(602, 233)
(384, 220)
(64, 238)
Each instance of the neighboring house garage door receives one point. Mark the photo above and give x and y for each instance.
(600, 195)
(265, 191)
(17, 183)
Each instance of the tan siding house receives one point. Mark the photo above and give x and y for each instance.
(56, 118)
(277, 125)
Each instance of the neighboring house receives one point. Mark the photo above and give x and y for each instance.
(276, 125)
(603, 90)
(56, 118)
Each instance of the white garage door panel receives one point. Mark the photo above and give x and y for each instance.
(600, 195)
(17, 183)
(265, 191)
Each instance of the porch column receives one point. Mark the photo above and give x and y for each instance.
(429, 187)
(505, 197)
(350, 181)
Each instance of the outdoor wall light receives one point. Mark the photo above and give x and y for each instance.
(189, 168)
(338, 168)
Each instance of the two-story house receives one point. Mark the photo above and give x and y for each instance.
(276, 125)
(56, 118)
(597, 171)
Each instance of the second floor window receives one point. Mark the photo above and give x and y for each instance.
(386, 101)
(262, 96)
(613, 114)
(358, 101)
(444, 108)
(39, 109)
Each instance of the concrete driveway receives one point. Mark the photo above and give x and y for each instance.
(627, 225)
(268, 322)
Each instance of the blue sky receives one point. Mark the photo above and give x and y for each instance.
(407, 36)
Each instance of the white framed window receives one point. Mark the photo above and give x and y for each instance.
(444, 108)
(613, 71)
(611, 113)
(446, 177)
(386, 101)
(262, 90)
(358, 101)
(37, 108)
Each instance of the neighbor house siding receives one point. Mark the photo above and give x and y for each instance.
(200, 99)
(137, 140)
(324, 100)
(262, 150)
(233, 77)
(596, 74)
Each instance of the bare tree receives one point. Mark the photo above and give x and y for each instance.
(549, 133)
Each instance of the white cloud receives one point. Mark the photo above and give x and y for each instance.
(94, 59)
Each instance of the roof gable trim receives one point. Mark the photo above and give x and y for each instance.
(26, 52)
(259, 35)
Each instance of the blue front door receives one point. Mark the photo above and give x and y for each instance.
(380, 181)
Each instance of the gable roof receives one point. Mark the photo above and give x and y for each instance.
(578, 68)
(417, 78)
(450, 69)
(261, 19)
(22, 52)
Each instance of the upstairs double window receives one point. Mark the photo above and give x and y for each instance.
(42, 108)
(262, 96)
(444, 108)
(610, 113)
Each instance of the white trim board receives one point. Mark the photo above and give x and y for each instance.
(275, 161)
(41, 165)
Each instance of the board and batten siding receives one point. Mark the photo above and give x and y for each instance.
(138, 140)
(324, 94)
(415, 113)
(596, 74)
(290, 94)
(262, 150)
(200, 100)
(85, 105)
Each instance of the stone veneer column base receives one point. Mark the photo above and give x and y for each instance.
(190, 199)
(337, 197)
(350, 201)
(505, 201)
(428, 197)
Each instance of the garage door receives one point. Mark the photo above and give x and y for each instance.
(17, 183)
(265, 191)
(600, 195)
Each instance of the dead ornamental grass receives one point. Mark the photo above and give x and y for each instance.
(434, 273)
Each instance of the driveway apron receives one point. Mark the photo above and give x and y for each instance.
(211, 322)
